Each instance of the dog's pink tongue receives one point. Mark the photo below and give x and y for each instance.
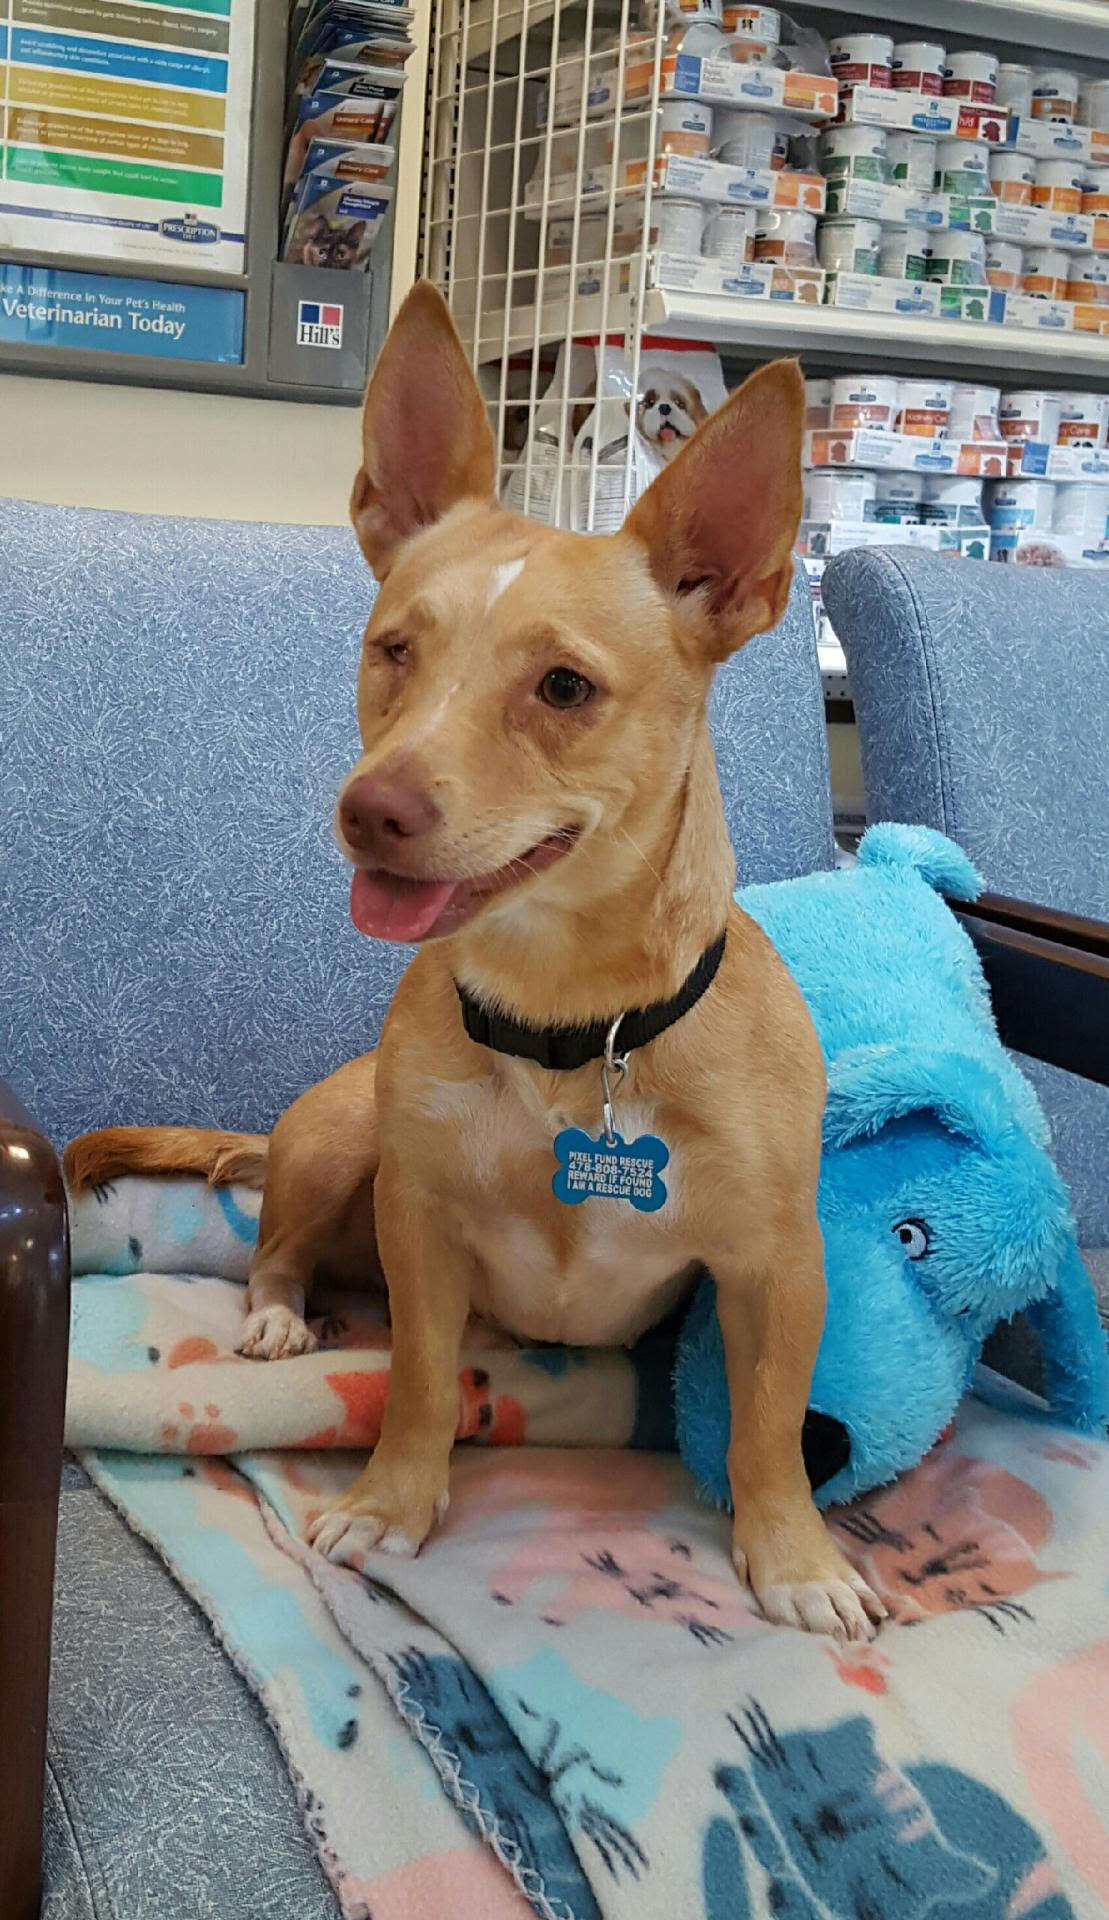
(390, 908)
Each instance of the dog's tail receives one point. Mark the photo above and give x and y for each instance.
(94, 1158)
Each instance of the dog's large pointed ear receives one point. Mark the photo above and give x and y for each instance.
(720, 522)
(426, 439)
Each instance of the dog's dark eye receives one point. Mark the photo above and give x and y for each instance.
(562, 687)
(394, 649)
(915, 1236)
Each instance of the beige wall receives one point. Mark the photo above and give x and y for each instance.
(153, 450)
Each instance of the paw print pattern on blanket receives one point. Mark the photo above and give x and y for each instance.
(624, 1570)
(954, 1534)
(821, 1828)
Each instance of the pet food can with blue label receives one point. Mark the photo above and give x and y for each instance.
(898, 497)
(1016, 504)
(952, 500)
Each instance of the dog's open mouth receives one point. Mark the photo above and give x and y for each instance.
(394, 906)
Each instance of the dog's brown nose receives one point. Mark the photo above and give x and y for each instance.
(375, 813)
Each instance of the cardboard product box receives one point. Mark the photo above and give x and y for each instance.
(873, 293)
(1025, 226)
(812, 96)
(900, 206)
(1036, 460)
(755, 280)
(905, 453)
(713, 181)
(927, 113)
(1027, 546)
(1054, 140)
(1090, 319)
(972, 303)
(823, 538)
(1049, 316)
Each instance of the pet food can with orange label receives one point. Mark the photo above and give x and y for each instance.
(974, 413)
(1095, 190)
(1014, 88)
(849, 245)
(952, 499)
(818, 403)
(685, 126)
(912, 160)
(1012, 176)
(864, 400)
(678, 224)
(840, 493)
(861, 60)
(1030, 414)
(854, 153)
(729, 235)
(918, 66)
(925, 408)
(753, 23)
(1045, 275)
(1058, 185)
(1089, 279)
(963, 166)
(1084, 420)
(743, 139)
(786, 234)
(1054, 94)
(1004, 265)
(971, 75)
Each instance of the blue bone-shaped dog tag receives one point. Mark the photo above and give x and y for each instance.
(589, 1169)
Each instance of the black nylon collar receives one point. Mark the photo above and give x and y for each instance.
(565, 1048)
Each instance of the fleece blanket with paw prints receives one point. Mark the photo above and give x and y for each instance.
(567, 1702)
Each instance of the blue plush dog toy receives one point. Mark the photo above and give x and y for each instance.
(941, 1211)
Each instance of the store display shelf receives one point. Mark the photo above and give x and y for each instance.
(1059, 26)
(823, 334)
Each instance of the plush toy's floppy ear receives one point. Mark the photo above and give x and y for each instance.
(921, 850)
(870, 1086)
(1072, 1340)
(426, 439)
(720, 521)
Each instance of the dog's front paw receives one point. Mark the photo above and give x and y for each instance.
(275, 1333)
(390, 1509)
(800, 1578)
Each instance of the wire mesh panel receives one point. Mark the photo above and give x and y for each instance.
(542, 138)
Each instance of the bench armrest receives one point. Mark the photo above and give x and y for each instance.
(34, 1340)
(1048, 975)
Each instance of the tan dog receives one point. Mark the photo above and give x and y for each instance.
(537, 804)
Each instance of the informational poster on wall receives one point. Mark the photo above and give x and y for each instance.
(126, 129)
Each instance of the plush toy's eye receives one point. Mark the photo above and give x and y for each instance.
(916, 1238)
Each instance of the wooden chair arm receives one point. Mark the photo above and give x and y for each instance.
(1048, 975)
(34, 1340)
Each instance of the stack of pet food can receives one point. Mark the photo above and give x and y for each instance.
(1033, 518)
